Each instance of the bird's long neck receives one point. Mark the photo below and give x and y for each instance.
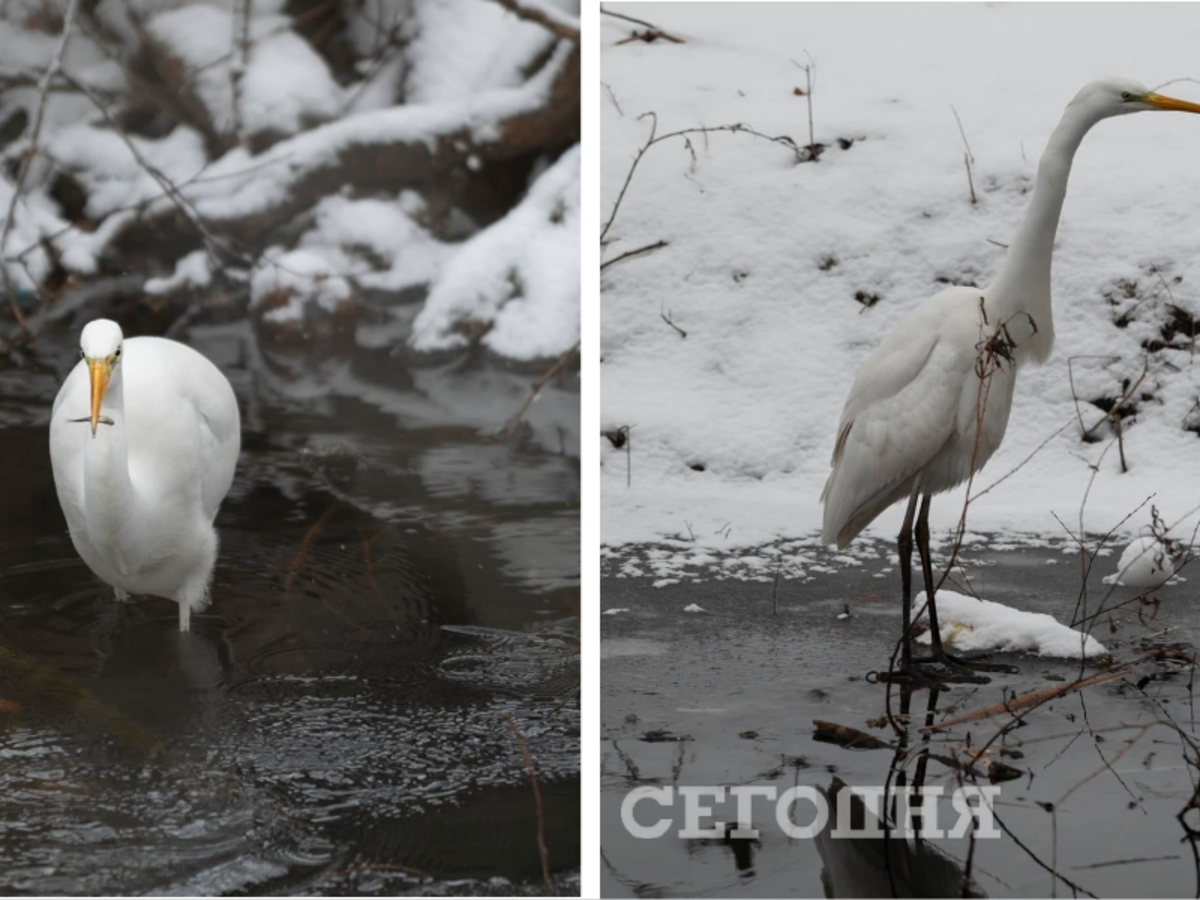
(108, 489)
(1020, 293)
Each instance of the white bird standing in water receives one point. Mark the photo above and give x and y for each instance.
(920, 419)
(144, 440)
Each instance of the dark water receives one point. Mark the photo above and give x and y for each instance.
(730, 696)
(397, 590)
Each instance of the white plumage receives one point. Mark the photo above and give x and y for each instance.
(913, 410)
(144, 440)
(920, 418)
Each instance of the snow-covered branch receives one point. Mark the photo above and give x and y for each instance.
(383, 146)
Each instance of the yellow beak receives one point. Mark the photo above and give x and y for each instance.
(100, 371)
(1158, 101)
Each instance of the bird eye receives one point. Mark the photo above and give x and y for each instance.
(117, 355)
(83, 354)
(1126, 96)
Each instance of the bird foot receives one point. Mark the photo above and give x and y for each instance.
(976, 664)
(927, 673)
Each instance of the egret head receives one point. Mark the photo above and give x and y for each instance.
(100, 346)
(1119, 96)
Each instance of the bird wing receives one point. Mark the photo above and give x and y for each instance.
(176, 398)
(220, 433)
(902, 410)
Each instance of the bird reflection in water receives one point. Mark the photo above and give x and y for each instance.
(891, 866)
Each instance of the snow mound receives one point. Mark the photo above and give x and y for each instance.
(969, 624)
(511, 278)
(295, 277)
(1146, 563)
(285, 83)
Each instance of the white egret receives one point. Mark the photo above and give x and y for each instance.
(144, 439)
(930, 405)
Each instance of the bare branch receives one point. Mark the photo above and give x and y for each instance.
(658, 245)
(543, 852)
(655, 138)
(212, 242)
(551, 20)
(537, 388)
(240, 62)
(39, 116)
(653, 28)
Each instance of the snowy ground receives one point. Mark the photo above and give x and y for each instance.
(732, 426)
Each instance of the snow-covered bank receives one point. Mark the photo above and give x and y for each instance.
(785, 276)
(380, 152)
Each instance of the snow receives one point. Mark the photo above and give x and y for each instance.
(307, 275)
(191, 271)
(515, 275)
(1146, 563)
(972, 625)
(615, 611)
(431, 72)
(468, 46)
(113, 178)
(239, 184)
(734, 424)
(285, 81)
(386, 229)
(693, 608)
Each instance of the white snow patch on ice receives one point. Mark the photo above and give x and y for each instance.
(968, 624)
(1145, 564)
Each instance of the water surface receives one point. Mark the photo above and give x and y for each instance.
(397, 592)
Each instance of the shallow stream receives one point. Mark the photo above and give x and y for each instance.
(396, 600)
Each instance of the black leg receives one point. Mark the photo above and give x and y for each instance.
(927, 570)
(939, 654)
(904, 544)
(940, 667)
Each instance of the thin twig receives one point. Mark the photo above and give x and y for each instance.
(1022, 463)
(211, 241)
(240, 62)
(542, 16)
(658, 245)
(1037, 698)
(809, 69)
(656, 138)
(537, 387)
(34, 134)
(537, 797)
(1114, 410)
(654, 28)
(666, 317)
(305, 543)
(613, 98)
(970, 155)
